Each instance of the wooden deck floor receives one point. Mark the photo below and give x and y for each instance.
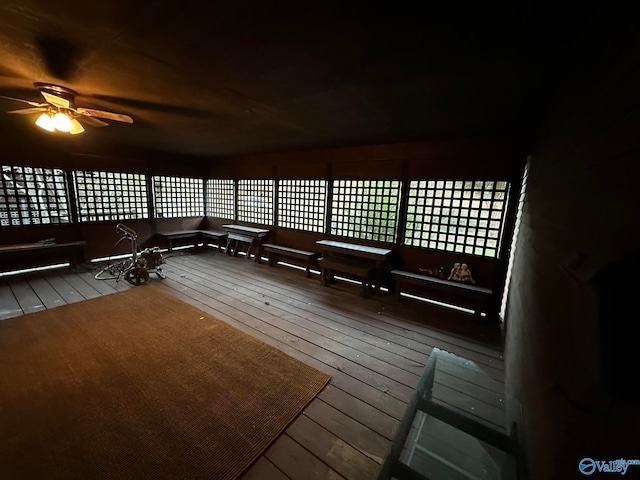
(374, 349)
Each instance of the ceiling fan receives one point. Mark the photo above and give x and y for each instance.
(59, 113)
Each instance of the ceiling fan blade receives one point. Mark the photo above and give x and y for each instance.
(94, 122)
(33, 104)
(76, 127)
(27, 111)
(118, 117)
(55, 100)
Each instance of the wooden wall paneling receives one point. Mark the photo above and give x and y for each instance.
(254, 170)
(108, 164)
(220, 169)
(404, 201)
(33, 233)
(329, 178)
(368, 170)
(579, 200)
(174, 224)
(102, 236)
(301, 170)
(276, 184)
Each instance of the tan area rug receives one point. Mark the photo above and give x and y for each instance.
(140, 385)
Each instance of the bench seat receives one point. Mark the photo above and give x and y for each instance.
(276, 251)
(27, 255)
(363, 269)
(479, 299)
(196, 236)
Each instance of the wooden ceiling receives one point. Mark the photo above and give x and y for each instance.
(231, 77)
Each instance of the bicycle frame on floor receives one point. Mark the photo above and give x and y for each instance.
(136, 268)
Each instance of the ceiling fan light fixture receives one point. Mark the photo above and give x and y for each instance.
(62, 122)
(45, 121)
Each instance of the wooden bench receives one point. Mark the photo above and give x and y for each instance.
(27, 255)
(361, 268)
(277, 251)
(196, 237)
(233, 244)
(479, 299)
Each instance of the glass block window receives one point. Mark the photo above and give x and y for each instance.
(461, 216)
(33, 196)
(365, 209)
(110, 196)
(255, 201)
(302, 204)
(220, 198)
(178, 197)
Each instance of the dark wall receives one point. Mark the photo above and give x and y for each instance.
(489, 159)
(580, 216)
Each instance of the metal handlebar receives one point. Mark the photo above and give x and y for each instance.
(128, 232)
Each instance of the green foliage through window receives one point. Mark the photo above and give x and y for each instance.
(365, 209)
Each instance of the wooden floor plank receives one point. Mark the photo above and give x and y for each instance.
(379, 322)
(59, 283)
(104, 287)
(263, 469)
(360, 411)
(360, 437)
(26, 297)
(46, 293)
(333, 451)
(298, 463)
(9, 306)
(82, 287)
(412, 313)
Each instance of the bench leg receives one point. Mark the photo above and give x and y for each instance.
(76, 257)
(324, 273)
(365, 287)
(258, 249)
(307, 269)
(249, 250)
